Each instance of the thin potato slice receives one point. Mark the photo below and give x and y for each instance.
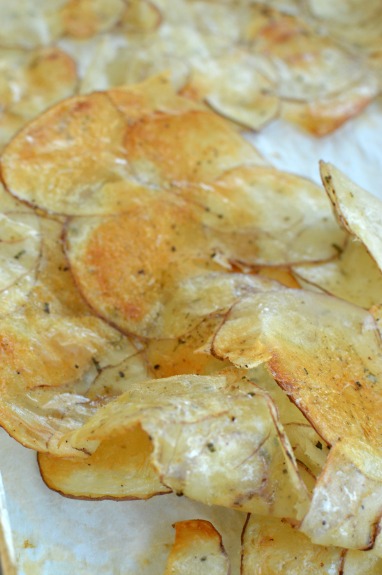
(346, 506)
(334, 378)
(354, 276)
(53, 348)
(157, 276)
(235, 87)
(198, 549)
(31, 82)
(300, 227)
(309, 65)
(119, 469)
(359, 212)
(85, 133)
(86, 18)
(215, 440)
(194, 147)
(272, 546)
(324, 115)
(20, 249)
(340, 358)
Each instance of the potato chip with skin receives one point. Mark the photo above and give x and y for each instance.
(213, 441)
(119, 469)
(337, 277)
(86, 18)
(357, 211)
(198, 549)
(275, 546)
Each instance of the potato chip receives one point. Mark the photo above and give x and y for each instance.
(85, 18)
(207, 442)
(356, 210)
(346, 506)
(31, 82)
(274, 546)
(338, 277)
(113, 141)
(119, 469)
(198, 549)
(300, 226)
(235, 87)
(333, 378)
(334, 361)
(85, 132)
(20, 249)
(53, 348)
(157, 276)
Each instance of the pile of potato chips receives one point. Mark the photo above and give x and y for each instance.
(176, 315)
(316, 64)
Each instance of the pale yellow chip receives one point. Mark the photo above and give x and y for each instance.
(272, 546)
(215, 440)
(20, 250)
(53, 348)
(198, 549)
(235, 87)
(286, 217)
(32, 81)
(119, 469)
(346, 505)
(358, 211)
(354, 276)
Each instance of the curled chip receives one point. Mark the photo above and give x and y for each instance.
(357, 211)
(198, 549)
(337, 277)
(119, 469)
(334, 378)
(215, 439)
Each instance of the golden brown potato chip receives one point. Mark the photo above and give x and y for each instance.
(354, 276)
(272, 546)
(357, 211)
(85, 132)
(198, 549)
(31, 81)
(158, 276)
(215, 440)
(119, 469)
